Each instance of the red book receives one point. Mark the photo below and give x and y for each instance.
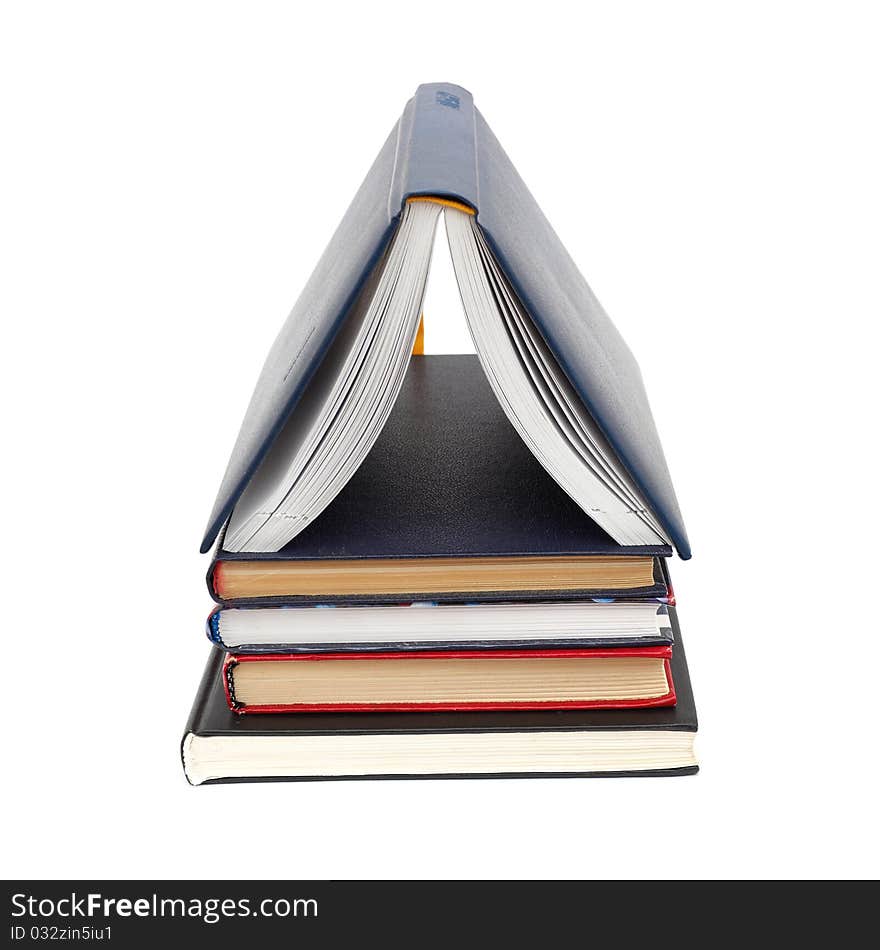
(450, 681)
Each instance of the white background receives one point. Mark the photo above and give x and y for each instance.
(171, 173)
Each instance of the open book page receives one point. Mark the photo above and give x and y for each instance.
(348, 400)
(537, 397)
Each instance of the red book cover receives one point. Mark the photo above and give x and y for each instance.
(234, 660)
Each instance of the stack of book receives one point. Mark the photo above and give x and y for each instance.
(437, 566)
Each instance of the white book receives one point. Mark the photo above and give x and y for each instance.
(429, 625)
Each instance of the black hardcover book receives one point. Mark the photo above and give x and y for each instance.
(451, 488)
(221, 746)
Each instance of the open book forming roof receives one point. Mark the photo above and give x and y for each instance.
(442, 146)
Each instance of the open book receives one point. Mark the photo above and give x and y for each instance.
(348, 400)
(554, 361)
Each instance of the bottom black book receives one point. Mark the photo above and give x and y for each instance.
(222, 746)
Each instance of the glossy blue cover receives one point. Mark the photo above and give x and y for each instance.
(442, 146)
